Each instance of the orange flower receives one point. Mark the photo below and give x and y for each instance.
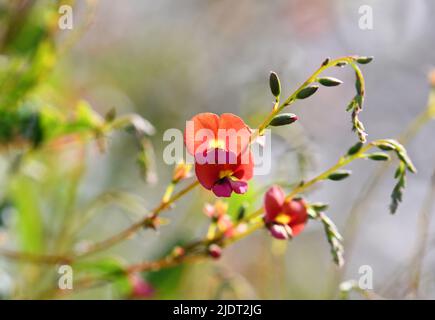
(220, 146)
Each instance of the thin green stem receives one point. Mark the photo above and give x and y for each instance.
(292, 98)
(197, 250)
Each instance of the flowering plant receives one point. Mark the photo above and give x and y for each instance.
(35, 136)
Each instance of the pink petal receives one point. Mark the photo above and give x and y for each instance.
(297, 210)
(222, 189)
(239, 186)
(281, 232)
(140, 288)
(273, 203)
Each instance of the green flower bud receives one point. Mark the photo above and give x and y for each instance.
(319, 206)
(283, 119)
(306, 92)
(355, 148)
(379, 156)
(339, 175)
(275, 84)
(325, 62)
(386, 147)
(110, 115)
(329, 81)
(364, 60)
(341, 64)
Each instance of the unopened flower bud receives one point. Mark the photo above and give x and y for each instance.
(319, 207)
(379, 156)
(178, 252)
(307, 92)
(339, 175)
(325, 62)
(386, 146)
(110, 115)
(355, 148)
(215, 251)
(275, 84)
(341, 64)
(139, 287)
(283, 119)
(364, 60)
(329, 81)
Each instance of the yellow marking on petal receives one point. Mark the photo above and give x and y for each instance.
(217, 144)
(225, 173)
(283, 218)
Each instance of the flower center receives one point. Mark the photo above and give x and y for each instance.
(225, 173)
(282, 218)
(217, 144)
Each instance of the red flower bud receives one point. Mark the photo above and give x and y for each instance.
(215, 251)
(140, 288)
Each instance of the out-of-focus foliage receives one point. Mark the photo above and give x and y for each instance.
(43, 138)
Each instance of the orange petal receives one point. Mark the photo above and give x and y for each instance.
(235, 131)
(202, 121)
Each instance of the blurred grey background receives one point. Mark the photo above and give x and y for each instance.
(169, 60)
